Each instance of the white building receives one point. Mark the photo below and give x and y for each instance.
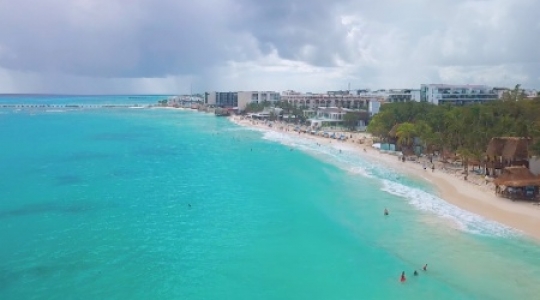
(456, 94)
(343, 99)
(325, 116)
(374, 107)
(401, 95)
(247, 97)
(210, 98)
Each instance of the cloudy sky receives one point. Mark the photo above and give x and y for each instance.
(164, 46)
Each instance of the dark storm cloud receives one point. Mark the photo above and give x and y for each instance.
(135, 38)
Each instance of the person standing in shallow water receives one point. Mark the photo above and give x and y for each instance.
(386, 213)
(425, 267)
(403, 278)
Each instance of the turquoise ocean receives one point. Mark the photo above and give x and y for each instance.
(175, 204)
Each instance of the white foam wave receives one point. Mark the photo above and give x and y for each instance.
(345, 159)
(349, 161)
(463, 219)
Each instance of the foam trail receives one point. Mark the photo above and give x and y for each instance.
(464, 220)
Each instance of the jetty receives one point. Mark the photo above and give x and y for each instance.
(70, 106)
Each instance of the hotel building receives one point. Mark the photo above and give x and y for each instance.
(245, 98)
(456, 94)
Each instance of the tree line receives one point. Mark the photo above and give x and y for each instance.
(462, 130)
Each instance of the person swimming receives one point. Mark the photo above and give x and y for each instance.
(403, 278)
(425, 267)
(386, 213)
(415, 273)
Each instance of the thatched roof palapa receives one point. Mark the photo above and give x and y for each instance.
(510, 148)
(517, 177)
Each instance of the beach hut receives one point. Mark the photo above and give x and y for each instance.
(517, 183)
(507, 151)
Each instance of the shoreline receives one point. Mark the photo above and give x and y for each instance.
(467, 195)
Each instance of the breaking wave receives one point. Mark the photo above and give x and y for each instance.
(342, 156)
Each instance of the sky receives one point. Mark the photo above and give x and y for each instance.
(178, 46)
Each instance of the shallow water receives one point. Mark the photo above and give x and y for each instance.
(160, 204)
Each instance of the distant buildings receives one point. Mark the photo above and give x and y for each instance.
(239, 99)
(245, 98)
(363, 99)
(222, 99)
(343, 99)
(457, 94)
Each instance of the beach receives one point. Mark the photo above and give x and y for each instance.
(472, 195)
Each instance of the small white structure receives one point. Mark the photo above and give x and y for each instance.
(534, 165)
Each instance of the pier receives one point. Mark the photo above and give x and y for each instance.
(71, 106)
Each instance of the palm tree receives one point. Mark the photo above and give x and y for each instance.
(405, 133)
(465, 155)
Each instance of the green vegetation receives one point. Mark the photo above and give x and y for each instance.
(462, 130)
(256, 107)
(350, 120)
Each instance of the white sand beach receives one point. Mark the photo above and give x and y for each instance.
(473, 195)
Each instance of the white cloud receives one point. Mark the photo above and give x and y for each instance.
(98, 46)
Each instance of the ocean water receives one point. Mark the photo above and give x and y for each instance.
(172, 204)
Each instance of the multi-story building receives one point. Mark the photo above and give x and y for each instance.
(456, 94)
(343, 99)
(402, 95)
(244, 98)
(222, 99)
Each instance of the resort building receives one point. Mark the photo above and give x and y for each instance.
(325, 116)
(456, 94)
(343, 99)
(245, 98)
(402, 95)
(374, 107)
(221, 99)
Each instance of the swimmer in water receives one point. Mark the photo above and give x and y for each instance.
(386, 213)
(425, 267)
(403, 278)
(415, 273)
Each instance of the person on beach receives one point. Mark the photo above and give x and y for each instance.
(415, 273)
(424, 267)
(386, 213)
(403, 278)
(432, 168)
